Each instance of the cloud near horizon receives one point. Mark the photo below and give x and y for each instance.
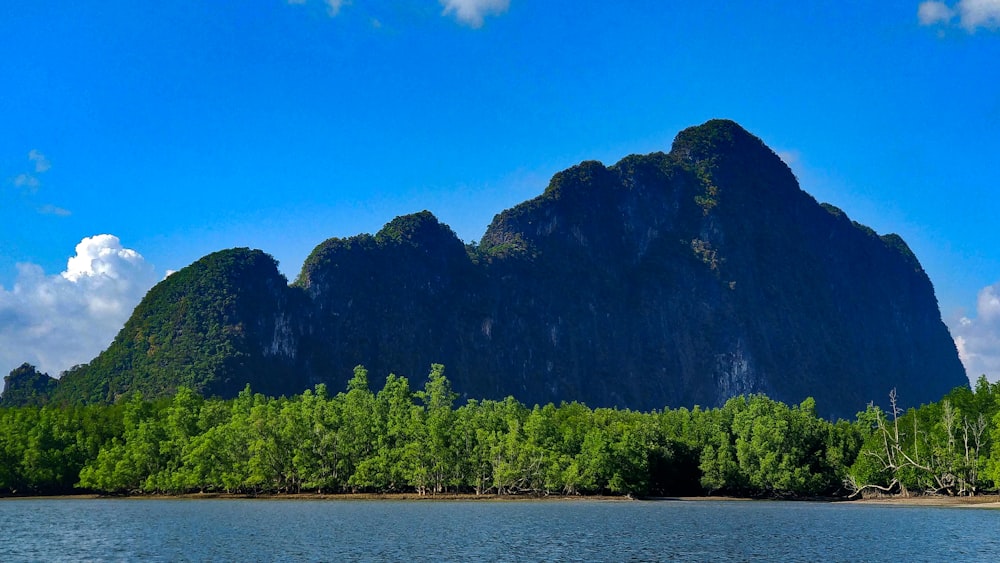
(978, 339)
(972, 14)
(57, 321)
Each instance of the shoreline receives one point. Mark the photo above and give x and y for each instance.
(979, 501)
(410, 497)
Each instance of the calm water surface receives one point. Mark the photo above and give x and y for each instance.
(339, 530)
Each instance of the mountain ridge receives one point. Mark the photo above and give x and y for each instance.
(666, 279)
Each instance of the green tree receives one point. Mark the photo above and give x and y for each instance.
(435, 467)
(356, 434)
(126, 464)
(217, 459)
(719, 466)
(396, 423)
(782, 450)
(180, 425)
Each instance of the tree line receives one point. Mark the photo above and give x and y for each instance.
(403, 440)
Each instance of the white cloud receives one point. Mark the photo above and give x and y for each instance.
(333, 6)
(57, 321)
(49, 209)
(468, 12)
(931, 13)
(101, 255)
(972, 14)
(41, 163)
(30, 182)
(978, 338)
(979, 13)
(472, 12)
(27, 182)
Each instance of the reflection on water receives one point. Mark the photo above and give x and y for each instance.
(337, 530)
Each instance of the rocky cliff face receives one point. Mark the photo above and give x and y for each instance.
(667, 279)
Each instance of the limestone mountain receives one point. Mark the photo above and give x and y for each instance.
(227, 320)
(27, 386)
(675, 278)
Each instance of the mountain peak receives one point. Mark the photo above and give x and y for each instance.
(418, 229)
(712, 138)
(27, 386)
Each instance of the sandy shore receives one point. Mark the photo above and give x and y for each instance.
(981, 501)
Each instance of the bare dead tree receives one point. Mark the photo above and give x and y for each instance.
(893, 458)
(972, 435)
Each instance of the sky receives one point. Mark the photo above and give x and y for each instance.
(136, 137)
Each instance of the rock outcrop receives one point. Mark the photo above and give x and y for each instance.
(669, 279)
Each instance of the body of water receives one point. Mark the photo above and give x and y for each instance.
(584, 530)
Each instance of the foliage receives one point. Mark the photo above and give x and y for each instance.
(399, 440)
(202, 328)
(27, 386)
(703, 251)
(42, 449)
(940, 448)
(709, 197)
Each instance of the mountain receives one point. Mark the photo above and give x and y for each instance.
(27, 386)
(227, 320)
(668, 279)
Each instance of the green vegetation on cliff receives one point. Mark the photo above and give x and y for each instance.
(214, 326)
(27, 386)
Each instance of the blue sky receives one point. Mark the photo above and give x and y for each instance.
(181, 128)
